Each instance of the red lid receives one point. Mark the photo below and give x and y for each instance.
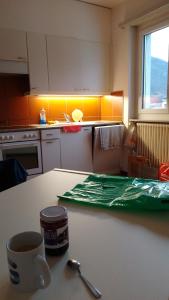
(53, 213)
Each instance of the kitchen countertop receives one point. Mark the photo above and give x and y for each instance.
(123, 254)
(58, 125)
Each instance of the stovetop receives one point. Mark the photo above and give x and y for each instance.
(14, 126)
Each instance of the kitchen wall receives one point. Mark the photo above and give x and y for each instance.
(23, 110)
(66, 18)
(57, 17)
(122, 56)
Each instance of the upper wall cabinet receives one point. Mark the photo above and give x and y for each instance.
(77, 66)
(37, 62)
(13, 45)
(63, 64)
(95, 63)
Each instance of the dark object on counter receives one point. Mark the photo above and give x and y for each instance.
(54, 228)
(11, 173)
(117, 192)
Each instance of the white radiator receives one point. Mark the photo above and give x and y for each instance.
(153, 142)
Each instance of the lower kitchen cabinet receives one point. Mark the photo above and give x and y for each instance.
(76, 150)
(51, 154)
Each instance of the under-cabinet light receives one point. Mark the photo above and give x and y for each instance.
(67, 96)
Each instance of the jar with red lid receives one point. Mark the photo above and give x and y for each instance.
(54, 228)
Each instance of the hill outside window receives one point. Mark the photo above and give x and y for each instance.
(154, 89)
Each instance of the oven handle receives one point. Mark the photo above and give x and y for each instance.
(12, 145)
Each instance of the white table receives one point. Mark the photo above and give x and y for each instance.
(125, 255)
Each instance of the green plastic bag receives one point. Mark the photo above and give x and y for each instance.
(120, 192)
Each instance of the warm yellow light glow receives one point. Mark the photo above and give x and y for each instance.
(107, 98)
(110, 98)
(66, 97)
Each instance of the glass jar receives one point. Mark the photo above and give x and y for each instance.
(54, 228)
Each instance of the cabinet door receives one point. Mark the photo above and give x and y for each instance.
(76, 150)
(37, 62)
(51, 154)
(63, 64)
(78, 66)
(13, 45)
(95, 64)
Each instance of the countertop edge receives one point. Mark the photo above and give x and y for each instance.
(47, 127)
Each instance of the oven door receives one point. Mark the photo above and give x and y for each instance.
(27, 153)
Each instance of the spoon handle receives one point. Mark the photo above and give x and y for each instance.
(92, 288)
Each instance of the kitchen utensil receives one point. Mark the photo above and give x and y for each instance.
(75, 265)
(77, 115)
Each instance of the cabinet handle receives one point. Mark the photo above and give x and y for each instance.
(49, 134)
(50, 142)
(86, 129)
(21, 58)
(33, 88)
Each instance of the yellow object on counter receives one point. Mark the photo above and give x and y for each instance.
(53, 122)
(77, 115)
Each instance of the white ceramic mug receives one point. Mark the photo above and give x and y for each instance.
(28, 268)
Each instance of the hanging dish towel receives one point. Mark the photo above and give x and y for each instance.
(72, 128)
(111, 137)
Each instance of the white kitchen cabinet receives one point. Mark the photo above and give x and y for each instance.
(13, 45)
(51, 149)
(77, 66)
(76, 150)
(95, 63)
(63, 64)
(37, 62)
(51, 155)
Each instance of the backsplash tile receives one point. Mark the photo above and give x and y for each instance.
(16, 109)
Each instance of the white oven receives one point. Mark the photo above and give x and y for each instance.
(23, 146)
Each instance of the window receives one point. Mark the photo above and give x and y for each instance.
(155, 61)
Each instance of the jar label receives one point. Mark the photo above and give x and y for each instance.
(55, 239)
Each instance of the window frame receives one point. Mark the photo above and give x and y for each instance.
(142, 31)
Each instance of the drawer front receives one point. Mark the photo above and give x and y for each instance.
(50, 134)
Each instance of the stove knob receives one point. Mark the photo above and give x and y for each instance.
(11, 137)
(3, 138)
(26, 136)
(7, 137)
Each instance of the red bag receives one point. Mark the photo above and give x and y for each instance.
(72, 128)
(164, 171)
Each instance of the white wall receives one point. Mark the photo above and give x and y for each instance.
(121, 49)
(58, 17)
(120, 55)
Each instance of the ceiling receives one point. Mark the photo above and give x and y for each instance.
(105, 3)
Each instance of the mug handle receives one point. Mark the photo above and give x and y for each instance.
(45, 275)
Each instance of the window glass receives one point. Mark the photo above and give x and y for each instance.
(155, 69)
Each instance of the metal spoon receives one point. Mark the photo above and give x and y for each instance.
(75, 265)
